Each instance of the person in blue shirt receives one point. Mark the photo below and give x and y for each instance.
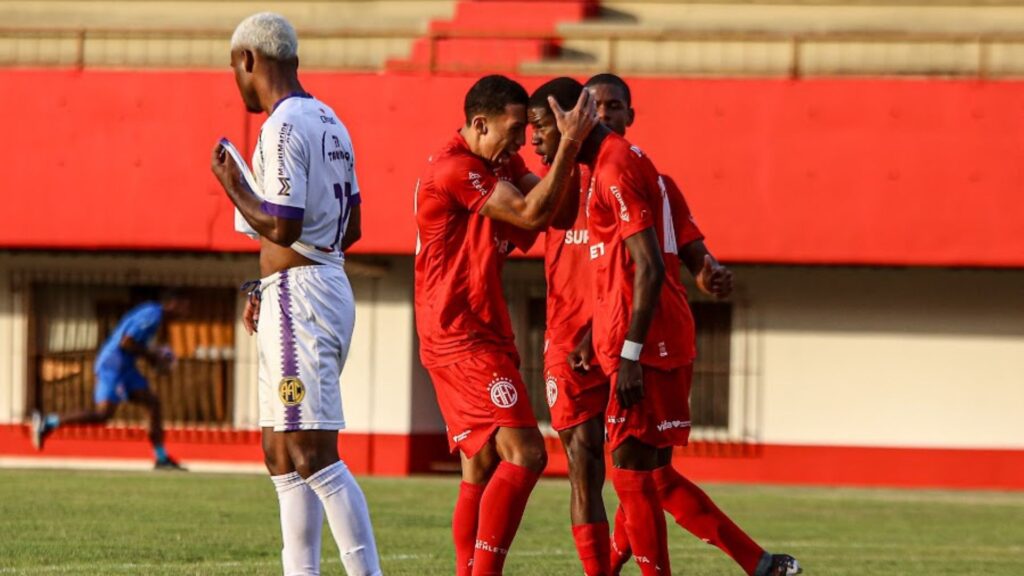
(119, 380)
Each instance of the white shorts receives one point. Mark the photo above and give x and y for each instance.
(305, 328)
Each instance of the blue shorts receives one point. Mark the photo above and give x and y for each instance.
(116, 386)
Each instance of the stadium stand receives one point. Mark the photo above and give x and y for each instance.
(352, 34)
(808, 37)
(983, 38)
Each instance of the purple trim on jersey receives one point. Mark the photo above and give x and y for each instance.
(292, 95)
(289, 355)
(286, 212)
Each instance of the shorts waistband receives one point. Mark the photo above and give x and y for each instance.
(301, 272)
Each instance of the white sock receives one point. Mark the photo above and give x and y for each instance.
(349, 518)
(302, 521)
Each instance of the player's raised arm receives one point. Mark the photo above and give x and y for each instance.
(535, 210)
(280, 227)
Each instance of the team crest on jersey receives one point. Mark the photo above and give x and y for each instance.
(291, 390)
(551, 387)
(503, 392)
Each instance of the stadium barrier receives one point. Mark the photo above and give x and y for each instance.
(987, 55)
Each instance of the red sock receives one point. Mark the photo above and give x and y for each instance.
(501, 510)
(467, 509)
(694, 511)
(645, 521)
(594, 547)
(620, 552)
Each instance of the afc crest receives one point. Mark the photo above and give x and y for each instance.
(291, 390)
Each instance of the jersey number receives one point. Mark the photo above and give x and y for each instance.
(343, 196)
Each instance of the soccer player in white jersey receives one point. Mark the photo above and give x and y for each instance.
(306, 214)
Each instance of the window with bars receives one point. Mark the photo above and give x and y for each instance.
(70, 322)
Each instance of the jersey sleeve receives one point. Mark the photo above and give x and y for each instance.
(285, 170)
(355, 199)
(465, 181)
(624, 190)
(522, 239)
(143, 324)
(685, 227)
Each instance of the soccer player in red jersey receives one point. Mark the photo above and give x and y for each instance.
(687, 503)
(471, 212)
(576, 398)
(643, 338)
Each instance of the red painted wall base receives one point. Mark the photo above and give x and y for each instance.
(400, 455)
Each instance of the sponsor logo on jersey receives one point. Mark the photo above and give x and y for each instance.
(551, 387)
(283, 137)
(326, 118)
(596, 250)
(503, 392)
(291, 391)
(662, 349)
(671, 424)
(616, 420)
(623, 211)
(286, 186)
(475, 181)
(335, 155)
(636, 150)
(576, 236)
(461, 436)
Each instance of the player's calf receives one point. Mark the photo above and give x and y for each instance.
(584, 448)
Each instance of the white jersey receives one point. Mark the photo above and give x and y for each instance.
(304, 164)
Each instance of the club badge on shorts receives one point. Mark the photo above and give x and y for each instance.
(503, 392)
(291, 390)
(551, 387)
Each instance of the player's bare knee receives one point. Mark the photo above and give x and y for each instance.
(307, 460)
(531, 455)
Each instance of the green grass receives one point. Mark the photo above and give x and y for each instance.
(56, 522)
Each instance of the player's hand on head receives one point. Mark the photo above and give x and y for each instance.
(577, 123)
(629, 389)
(224, 168)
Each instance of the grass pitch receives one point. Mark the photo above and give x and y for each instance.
(56, 522)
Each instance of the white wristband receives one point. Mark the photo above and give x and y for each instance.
(631, 350)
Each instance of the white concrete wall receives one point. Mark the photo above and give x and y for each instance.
(379, 386)
(13, 330)
(882, 357)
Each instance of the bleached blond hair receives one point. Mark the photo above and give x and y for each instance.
(269, 34)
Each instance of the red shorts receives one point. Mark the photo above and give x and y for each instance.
(574, 398)
(661, 419)
(477, 396)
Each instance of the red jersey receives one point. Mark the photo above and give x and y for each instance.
(459, 302)
(627, 196)
(569, 290)
(684, 227)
